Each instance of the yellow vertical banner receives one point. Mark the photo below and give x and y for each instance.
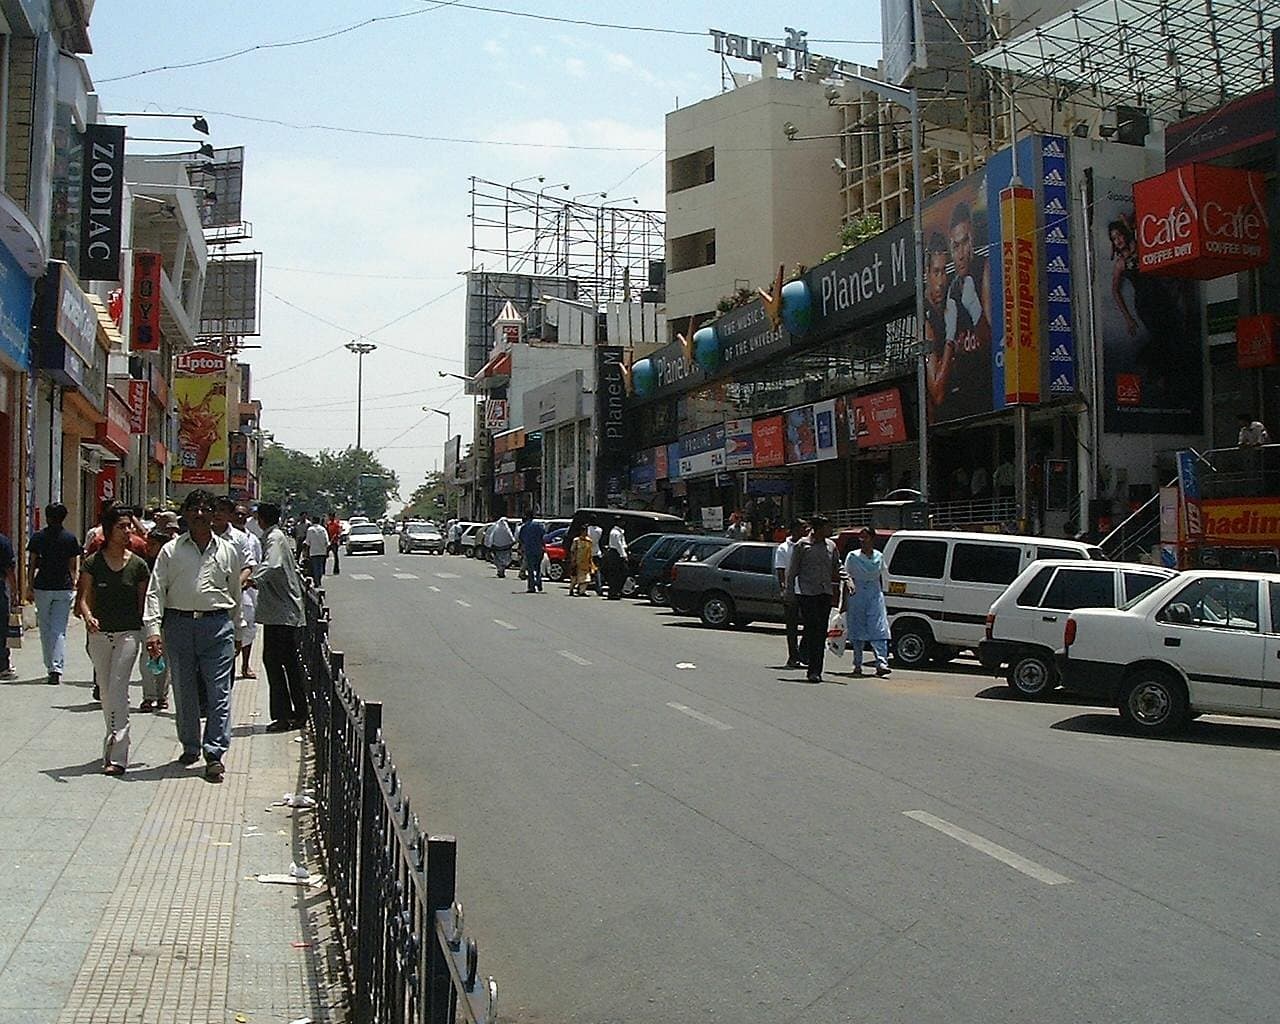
(1020, 260)
(200, 387)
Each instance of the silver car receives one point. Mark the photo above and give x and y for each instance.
(366, 537)
(421, 537)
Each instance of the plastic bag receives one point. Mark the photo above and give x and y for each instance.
(836, 633)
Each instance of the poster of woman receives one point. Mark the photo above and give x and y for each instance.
(802, 436)
(1152, 369)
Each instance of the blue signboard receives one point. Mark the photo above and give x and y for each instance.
(16, 295)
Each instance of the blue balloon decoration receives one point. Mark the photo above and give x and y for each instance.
(706, 348)
(642, 377)
(797, 308)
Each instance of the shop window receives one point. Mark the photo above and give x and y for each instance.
(986, 563)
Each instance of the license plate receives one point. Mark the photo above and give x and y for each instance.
(897, 587)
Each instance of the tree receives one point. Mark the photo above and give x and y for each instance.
(429, 499)
(347, 482)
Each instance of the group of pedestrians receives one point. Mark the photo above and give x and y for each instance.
(192, 592)
(593, 558)
(814, 582)
(528, 538)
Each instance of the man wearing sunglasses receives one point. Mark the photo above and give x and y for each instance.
(193, 602)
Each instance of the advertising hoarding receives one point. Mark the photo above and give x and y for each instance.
(739, 444)
(876, 419)
(144, 327)
(801, 435)
(138, 399)
(200, 387)
(768, 442)
(1152, 372)
(101, 197)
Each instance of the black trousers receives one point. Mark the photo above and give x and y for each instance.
(281, 659)
(615, 573)
(791, 609)
(815, 610)
(334, 548)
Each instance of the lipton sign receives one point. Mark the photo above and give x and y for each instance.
(1201, 222)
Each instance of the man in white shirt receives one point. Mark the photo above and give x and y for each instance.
(614, 561)
(1252, 432)
(594, 533)
(237, 518)
(192, 603)
(790, 606)
(317, 545)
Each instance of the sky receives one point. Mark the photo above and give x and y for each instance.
(365, 235)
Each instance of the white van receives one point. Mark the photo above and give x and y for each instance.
(939, 586)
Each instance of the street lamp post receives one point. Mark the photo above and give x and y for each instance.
(448, 436)
(361, 349)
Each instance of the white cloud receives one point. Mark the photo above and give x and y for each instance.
(493, 48)
(575, 66)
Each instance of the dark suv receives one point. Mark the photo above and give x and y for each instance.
(732, 586)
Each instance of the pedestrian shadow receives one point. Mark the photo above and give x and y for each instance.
(79, 709)
(1064, 698)
(139, 772)
(1205, 733)
(760, 630)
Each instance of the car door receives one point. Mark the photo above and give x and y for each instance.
(732, 574)
(1219, 645)
(758, 587)
(1271, 669)
(1072, 587)
(979, 573)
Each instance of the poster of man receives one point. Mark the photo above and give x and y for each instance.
(958, 305)
(802, 436)
(1151, 360)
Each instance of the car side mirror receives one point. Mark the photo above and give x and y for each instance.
(1178, 613)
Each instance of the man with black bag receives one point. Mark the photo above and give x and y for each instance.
(814, 574)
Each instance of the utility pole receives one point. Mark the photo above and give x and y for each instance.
(361, 349)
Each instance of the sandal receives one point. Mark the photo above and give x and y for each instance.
(162, 705)
(113, 769)
(146, 706)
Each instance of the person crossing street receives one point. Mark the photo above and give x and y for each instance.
(814, 573)
(531, 537)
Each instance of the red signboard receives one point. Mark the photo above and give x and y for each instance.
(1201, 222)
(114, 431)
(139, 398)
(768, 438)
(107, 486)
(1128, 389)
(876, 419)
(145, 326)
(1256, 341)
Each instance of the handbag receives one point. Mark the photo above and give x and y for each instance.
(13, 638)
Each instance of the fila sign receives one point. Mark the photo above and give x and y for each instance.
(1201, 222)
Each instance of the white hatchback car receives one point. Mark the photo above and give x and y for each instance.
(1024, 626)
(1205, 641)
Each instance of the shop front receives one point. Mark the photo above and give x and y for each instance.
(16, 295)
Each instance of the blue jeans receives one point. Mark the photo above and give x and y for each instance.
(53, 608)
(318, 562)
(199, 650)
(533, 571)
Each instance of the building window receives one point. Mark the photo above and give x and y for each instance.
(690, 251)
(691, 170)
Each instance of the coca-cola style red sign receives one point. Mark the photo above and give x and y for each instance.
(1201, 222)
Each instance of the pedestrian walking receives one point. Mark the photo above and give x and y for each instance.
(300, 529)
(865, 617)
(790, 605)
(532, 536)
(596, 534)
(581, 563)
(500, 541)
(111, 592)
(813, 573)
(192, 602)
(614, 561)
(55, 566)
(155, 684)
(9, 600)
(334, 529)
(251, 548)
(282, 615)
(317, 550)
(739, 528)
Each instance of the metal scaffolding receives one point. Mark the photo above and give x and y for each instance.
(612, 252)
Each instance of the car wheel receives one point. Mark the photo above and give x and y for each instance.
(717, 610)
(471, 552)
(659, 595)
(555, 572)
(1155, 703)
(629, 587)
(1031, 676)
(912, 645)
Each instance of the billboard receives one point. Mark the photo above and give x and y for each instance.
(1152, 373)
(997, 283)
(102, 198)
(497, 414)
(200, 387)
(739, 444)
(802, 435)
(230, 306)
(876, 419)
(489, 291)
(767, 438)
(224, 178)
(144, 323)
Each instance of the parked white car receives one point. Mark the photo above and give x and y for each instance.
(1025, 624)
(940, 585)
(1205, 641)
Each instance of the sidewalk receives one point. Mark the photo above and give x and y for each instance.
(134, 899)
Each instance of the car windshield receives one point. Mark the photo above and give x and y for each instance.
(421, 528)
(362, 528)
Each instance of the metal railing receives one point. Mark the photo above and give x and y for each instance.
(1138, 532)
(392, 885)
(1001, 512)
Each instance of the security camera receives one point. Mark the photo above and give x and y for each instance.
(790, 130)
(839, 166)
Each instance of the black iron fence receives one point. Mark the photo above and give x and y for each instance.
(393, 885)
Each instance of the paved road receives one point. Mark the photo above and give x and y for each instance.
(641, 842)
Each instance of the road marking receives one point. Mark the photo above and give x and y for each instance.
(361, 576)
(434, 590)
(404, 575)
(504, 625)
(715, 723)
(573, 657)
(1006, 856)
(448, 576)
(464, 604)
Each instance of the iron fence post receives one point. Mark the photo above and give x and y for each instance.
(442, 868)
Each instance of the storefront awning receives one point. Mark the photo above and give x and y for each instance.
(1173, 59)
(497, 366)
